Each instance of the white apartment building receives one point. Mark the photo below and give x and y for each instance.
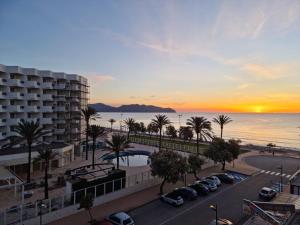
(55, 99)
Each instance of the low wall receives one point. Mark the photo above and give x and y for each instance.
(52, 216)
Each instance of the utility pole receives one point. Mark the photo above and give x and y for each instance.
(179, 119)
(215, 208)
(281, 182)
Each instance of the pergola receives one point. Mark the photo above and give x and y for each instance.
(9, 179)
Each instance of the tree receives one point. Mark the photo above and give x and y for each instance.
(152, 128)
(234, 148)
(160, 121)
(168, 165)
(130, 123)
(171, 131)
(117, 144)
(87, 203)
(111, 121)
(29, 131)
(88, 114)
(218, 152)
(45, 156)
(142, 127)
(271, 146)
(222, 120)
(202, 128)
(195, 164)
(95, 131)
(186, 133)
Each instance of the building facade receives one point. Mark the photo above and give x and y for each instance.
(55, 99)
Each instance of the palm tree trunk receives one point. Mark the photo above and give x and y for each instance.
(86, 141)
(223, 165)
(117, 152)
(46, 180)
(128, 134)
(195, 175)
(221, 132)
(161, 188)
(29, 163)
(159, 139)
(197, 143)
(94, 149)
(111, 127)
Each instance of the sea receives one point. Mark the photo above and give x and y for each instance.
(251, 128)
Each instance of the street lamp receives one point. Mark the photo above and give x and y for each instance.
(179, 117)
(41, 205)
(215, 208)
(281, 172)
(121, 122)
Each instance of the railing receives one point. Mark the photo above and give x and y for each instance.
(20, 213)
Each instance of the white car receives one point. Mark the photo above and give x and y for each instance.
(267, 193)
(215, 179)
(120, 218)
(173, 198)
(209, 183)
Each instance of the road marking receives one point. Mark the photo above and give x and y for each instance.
(267, 172)
(200, 202)
(276, 174)
(283, 174)
(288, 176)
(272, 173)
(262, 171)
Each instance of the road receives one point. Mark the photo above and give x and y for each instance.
(290, 165)
(229, 199)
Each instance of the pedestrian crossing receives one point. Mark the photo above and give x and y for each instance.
(273, 173)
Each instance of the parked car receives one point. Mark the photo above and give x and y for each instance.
(120, 218)
(225, 178)
(221, 222)
(173, 198)
(201, 189)
(187, 193)
(210, 184)
(215, 179)
(267, 193)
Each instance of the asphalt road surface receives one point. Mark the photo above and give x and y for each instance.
(229, 199)
(290, 165)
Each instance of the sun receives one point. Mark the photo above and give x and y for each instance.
(258, 109)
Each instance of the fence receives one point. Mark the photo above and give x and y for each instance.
(19, 214)
(166, 143)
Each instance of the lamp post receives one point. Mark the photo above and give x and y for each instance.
(121, 122)
(281, 172)
(41, 205)
(215, 208)
(179, 119)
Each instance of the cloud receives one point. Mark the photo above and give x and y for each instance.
(244, 86)
(98, 78)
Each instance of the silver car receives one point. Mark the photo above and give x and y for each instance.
(120, 218)
(215, 179)
(210, 184)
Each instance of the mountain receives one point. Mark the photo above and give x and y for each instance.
(100, 107)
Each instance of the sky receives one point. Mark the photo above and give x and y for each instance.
(225, 56)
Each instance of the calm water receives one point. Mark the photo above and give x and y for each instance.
(281, 129)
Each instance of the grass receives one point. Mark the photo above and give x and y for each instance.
(169, 143)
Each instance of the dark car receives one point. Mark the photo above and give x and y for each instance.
(186, 193)
(200, 189)
(225, 178)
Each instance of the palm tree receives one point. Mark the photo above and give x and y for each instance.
(130, 123)
(222, 120)
(202, 128)
(46, 155)
(88, 114)
(160, 121)
(94, 132)
(151, 128)
(117, 144)
(112, 121)
(29, 131)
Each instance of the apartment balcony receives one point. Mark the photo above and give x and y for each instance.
(3, 81)
(46, 85)
(46, 121)
(15, 108)
(32, 84)
(60, 98)
(60, 86)
(47, 97)
(60, 121)
(74, 108)
(14, 82)
(15, 95)
(32, 108)
(3, 122)
(3, 135)
(59, 131)
(75, 99)
(3, 108)
(74, 130)
(47, 109)
(13, 121)
(32, 96)
(60, 108)
(75, 88)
